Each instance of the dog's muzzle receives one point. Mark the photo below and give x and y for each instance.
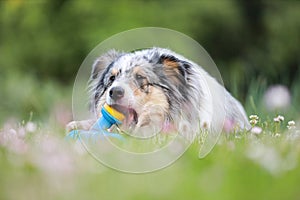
(116, 93)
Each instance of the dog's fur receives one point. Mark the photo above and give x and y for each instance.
(161, 90)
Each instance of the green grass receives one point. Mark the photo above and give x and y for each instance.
(42, 165)
(37, 163)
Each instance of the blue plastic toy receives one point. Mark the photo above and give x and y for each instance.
(109, 117)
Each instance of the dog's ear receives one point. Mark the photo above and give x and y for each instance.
(174, 68)
(103, 62)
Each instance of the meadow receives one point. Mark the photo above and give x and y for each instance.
(38, 163)
(255, 45)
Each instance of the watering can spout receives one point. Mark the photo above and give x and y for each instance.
(109, 117)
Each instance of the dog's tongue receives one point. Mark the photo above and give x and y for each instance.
(130, 114)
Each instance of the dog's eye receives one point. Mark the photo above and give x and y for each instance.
(112, 78)
(139, 77)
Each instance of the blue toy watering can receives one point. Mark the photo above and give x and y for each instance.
(110, 116)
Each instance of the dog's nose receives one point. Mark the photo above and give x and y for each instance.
(116, 93)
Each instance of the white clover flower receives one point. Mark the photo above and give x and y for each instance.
(256, 130)
(31, 127)
(291, 124)
(266, 156)
(253, 121)
(277, 135)
(253, 117)
(13, 142)
(279, 118)
(273, 102)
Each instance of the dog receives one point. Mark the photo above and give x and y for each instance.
(159, 90)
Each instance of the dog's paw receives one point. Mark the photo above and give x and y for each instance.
(149, 124)
(82, 125)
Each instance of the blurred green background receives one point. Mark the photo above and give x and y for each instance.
(255, 44)
(43, 43)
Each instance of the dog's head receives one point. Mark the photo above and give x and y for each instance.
(149, 86)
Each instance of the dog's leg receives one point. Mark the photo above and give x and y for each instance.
(149, 124)
(82, 125)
